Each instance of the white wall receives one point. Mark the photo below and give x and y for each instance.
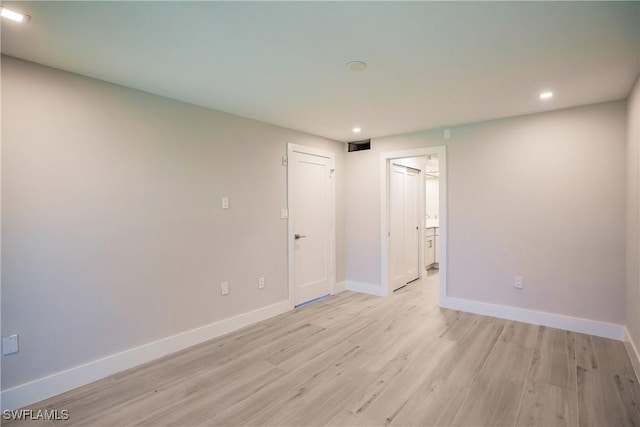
(112, 232)
(633, 217)
(540, 196)
(111, 214)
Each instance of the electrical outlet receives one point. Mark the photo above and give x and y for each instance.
(518, 283)
(261, 282)
(10, 344)
(225, 203)
(224, 288)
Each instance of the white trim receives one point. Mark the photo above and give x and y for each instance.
(632, 350)
(385, 158)
(366, 288)
(340, 287)
(60, 382)
(568, 323)
(296, 148)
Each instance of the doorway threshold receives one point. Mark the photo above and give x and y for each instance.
(312, 300)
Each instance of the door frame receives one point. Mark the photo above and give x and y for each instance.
(385, 162)
(296, 148)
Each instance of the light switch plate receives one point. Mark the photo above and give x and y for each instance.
(261, 282)
(224, 288)
(225, 203)
(284, 213)
(10, 344)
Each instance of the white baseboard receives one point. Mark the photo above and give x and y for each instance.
(60, 382)
(340, 287)
(632, 349)
(568, 323)
(366, 288)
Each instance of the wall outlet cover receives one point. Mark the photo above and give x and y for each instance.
(518, 283)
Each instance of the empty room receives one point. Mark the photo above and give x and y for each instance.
(349, 213)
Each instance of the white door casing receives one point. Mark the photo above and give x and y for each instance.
(311, 234)
(386, 159)
(396, 225)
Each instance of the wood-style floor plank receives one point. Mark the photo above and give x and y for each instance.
(382, 402)
(518, 333)
(439, 397)
(554, 358)
(310, 373)
(605, 383)
(495, 394)
(545, 404)
(550, 392)
(358, 360)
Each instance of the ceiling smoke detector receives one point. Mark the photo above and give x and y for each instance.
(356, 66)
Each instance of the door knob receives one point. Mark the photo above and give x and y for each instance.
(299, 236)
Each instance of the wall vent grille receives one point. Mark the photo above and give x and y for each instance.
(365, 144)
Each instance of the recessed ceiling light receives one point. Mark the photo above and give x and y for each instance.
(356, 66)
(546, 95)
(356, 130)
(12, 15)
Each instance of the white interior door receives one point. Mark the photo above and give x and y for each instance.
(404, 229)
(311, 222)
(411, 225)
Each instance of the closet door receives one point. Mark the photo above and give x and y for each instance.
(396, 225)
(411, 225)
(404, 237)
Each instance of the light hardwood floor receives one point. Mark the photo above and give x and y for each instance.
(359, 360)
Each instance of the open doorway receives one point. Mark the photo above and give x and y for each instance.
(432, 218)
(432, 214)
